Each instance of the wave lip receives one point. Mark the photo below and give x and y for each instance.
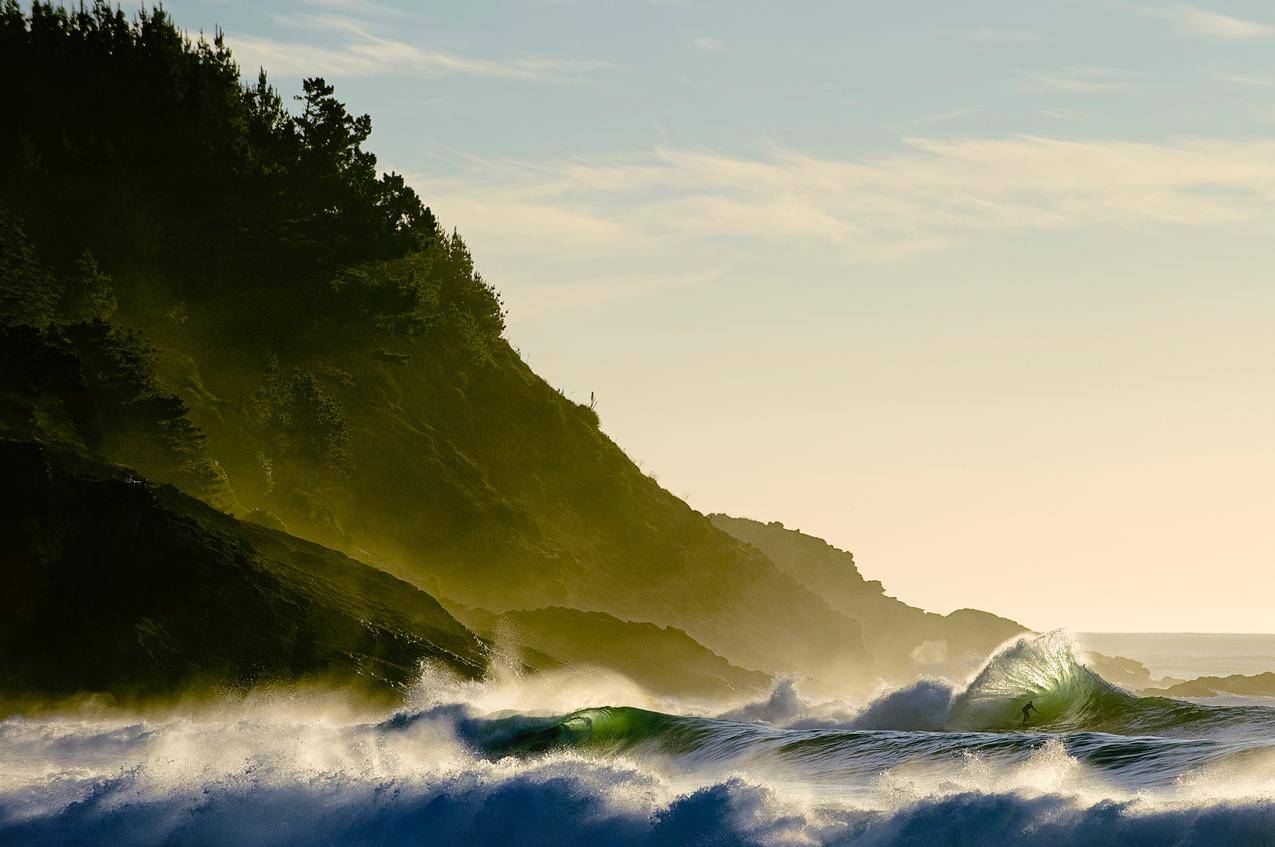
(1070, 697)
(927, 718)
(1044, 671)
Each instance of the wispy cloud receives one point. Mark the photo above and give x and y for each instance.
(1065, 114)
(1084, 80)
(365, 6)
(361, 51)
(708, 45)
(1192, 20)
(609, 287)
(942, 117)
(589, 231)
(1244, 80)
(930, 192)
(997, 36)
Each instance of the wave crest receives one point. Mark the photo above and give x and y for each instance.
(1044, 671)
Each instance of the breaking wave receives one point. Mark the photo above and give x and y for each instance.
(496, 763)
(1069, 697)
(1041, 669)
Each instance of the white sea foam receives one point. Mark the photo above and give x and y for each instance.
(281, 771)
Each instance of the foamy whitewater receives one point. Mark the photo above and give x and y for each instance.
(517, 762)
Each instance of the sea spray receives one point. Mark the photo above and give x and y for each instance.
(493, 763)
(273, 777)
(1040, 670)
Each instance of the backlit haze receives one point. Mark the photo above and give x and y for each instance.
(980, 291)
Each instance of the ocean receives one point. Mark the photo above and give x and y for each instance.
(1187, 655)
(565, 760)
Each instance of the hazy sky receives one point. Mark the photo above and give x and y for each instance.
(981, 291)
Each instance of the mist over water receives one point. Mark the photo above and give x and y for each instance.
(1188, 654)
(560, 758)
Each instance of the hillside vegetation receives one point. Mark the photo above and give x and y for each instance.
(114, 585)
(219, 288)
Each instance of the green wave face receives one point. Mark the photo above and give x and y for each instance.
(1071, 701)
(1070, 697)
(604, 729)
(1044, 671)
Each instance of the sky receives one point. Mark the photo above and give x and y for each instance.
(980, 291)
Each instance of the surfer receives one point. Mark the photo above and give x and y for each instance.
(1027, 710)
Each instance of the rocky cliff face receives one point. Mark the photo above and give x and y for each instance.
(901, 640)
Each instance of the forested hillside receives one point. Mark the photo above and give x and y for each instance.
(215, 285)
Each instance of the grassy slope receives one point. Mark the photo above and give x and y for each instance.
(892, 629)
(484, 485)
(114, 585)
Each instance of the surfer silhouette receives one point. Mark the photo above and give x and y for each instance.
(1027, 710)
